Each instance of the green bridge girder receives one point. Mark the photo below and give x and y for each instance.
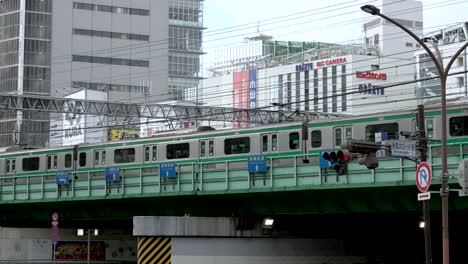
(225, 188)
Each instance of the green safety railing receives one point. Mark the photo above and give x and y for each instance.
(285, 172)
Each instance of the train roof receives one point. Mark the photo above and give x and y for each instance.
(187, 133)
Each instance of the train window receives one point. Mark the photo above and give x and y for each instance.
(265, 143)
(178, 151)
(459, 126)
(202, 148)
(147, 153)
(316, 138)
(211, 148)
(96, 158)
(124, 155)
(103, 157)
(338, 136)
(274, 142)
(236, 145)
(13, 165)
(294, 140)
(51, 162)
(31, 164)
(68, 160)
(82, 160)
(155, 151)
(430, 128)
(391, 130)
(7, 169)
(348, 133)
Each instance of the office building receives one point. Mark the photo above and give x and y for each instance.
(137, 51)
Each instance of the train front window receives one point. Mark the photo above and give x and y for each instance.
(382, 132)
(178, 151)
(236, 145)
(124, 155)
(459, 126)
(31, 164)
(294, 140)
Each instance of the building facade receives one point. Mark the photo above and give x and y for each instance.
(137, 51)
(353, 84)
(384, 38)
(448, 41)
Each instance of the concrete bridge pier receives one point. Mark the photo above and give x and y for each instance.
(229, 240)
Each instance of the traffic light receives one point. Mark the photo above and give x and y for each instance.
(369, 149)
(337, 160)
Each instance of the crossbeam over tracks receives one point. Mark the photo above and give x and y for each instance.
(154, 111)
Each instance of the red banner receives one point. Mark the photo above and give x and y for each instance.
(240, 95)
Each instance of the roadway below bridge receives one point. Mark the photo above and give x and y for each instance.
(366, 225)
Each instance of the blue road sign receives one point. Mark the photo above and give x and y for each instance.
(62, 177)
(112, 174)
(257, 163)
(167, 170)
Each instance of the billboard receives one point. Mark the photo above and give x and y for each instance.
(253, 89)
(116, 134)
(240, 91)
(73, 124)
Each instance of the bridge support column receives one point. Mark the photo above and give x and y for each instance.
(154, 250)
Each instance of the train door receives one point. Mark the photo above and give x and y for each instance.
(10, 169)
(99, 158)
(150, 153)
(51, 162)
(269, 143)
(342, 134)
(10, 166)
(206, 148)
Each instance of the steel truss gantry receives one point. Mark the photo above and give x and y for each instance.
(166, 112)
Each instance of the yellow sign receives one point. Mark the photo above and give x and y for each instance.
(116, 134)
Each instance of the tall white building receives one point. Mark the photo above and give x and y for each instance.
(448, 41)
(137, 51)
(387, 39)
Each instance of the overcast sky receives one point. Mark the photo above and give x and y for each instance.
(337, 21)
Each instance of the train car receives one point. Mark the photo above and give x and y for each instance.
(205, 147)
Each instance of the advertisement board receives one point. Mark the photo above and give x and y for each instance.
(116, 134)
(240, 94)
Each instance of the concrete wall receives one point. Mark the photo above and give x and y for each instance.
(259, 250)
(35, 243)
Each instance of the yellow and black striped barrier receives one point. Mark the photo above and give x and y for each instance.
(154, 250)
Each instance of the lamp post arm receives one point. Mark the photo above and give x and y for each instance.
(452, 60)
(439, 67)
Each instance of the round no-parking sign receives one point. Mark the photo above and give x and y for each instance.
(423, 176)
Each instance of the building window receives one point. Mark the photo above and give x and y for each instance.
(124, 155)
(460, 62)
(409, 44)
(111, 9)
(461, 81)
(31, 164)
(316, 137)
(108, 34)
(178, 151)
(108, 60)
(236, 145)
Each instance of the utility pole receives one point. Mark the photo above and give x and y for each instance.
(421, 134)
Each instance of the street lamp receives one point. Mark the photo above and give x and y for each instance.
(443, 73)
